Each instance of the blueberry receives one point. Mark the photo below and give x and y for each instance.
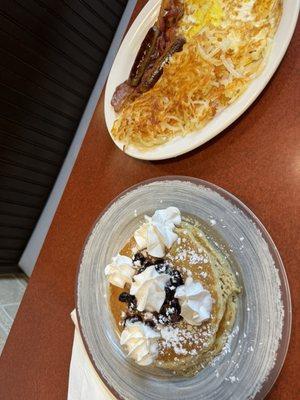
(175, 317)
(175, 304)
(169, 293)
(162, 319)
(159, 261)
(150, 323)
(139, 257)
(127, 298)
(170, 311)
(123, 297)
(134, 318)
(161, 268)
(144, 266)
(132, 306)
(163, 310)
(176, 278)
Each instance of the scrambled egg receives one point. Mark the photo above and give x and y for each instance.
(199, 13)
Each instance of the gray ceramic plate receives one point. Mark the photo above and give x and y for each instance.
(254, 355)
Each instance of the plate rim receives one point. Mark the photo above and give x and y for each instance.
(251, 97)
(287, 317)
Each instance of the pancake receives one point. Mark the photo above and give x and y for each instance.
(196, 254)
(185, 349)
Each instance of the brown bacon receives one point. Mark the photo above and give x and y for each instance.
(143, 57)
(121, 95)
(152, 75)
(155, 51)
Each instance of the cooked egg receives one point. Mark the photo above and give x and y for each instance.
(199, 13)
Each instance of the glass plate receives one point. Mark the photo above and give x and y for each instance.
(254, 355)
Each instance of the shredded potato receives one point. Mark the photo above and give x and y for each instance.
(213, 70)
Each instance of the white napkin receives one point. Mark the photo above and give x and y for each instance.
(84, 382)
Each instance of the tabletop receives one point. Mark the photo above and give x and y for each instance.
(257, 159)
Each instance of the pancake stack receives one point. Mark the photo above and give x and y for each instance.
(185, 349)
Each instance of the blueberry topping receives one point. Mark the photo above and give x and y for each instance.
(160, 268)
(127, 298)
(175, 317)
(144, 266)
(170, 311)
(150, 323)
(139, 257)
(132, 306)
(176, 278)
(159, 261)
(135, 318)
(169, 293)
(175, 304)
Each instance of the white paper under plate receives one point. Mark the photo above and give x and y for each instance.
(125, 58)
(253, 357)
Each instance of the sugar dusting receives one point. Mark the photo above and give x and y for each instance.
(184, 341)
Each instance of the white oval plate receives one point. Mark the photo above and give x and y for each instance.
(180, 145)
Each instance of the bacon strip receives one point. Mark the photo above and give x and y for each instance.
(153, 54)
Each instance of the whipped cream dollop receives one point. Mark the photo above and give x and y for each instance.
(120, 271)
(149, 289)
(157, 232)
(195, 302)
(140, 342)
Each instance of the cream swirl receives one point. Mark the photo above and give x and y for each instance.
(149, 289)
(195, 302)
(120, 271)
(140, 342)
(157, 232)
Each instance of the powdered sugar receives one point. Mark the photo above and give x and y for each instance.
(191, 256)
(183, 341)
